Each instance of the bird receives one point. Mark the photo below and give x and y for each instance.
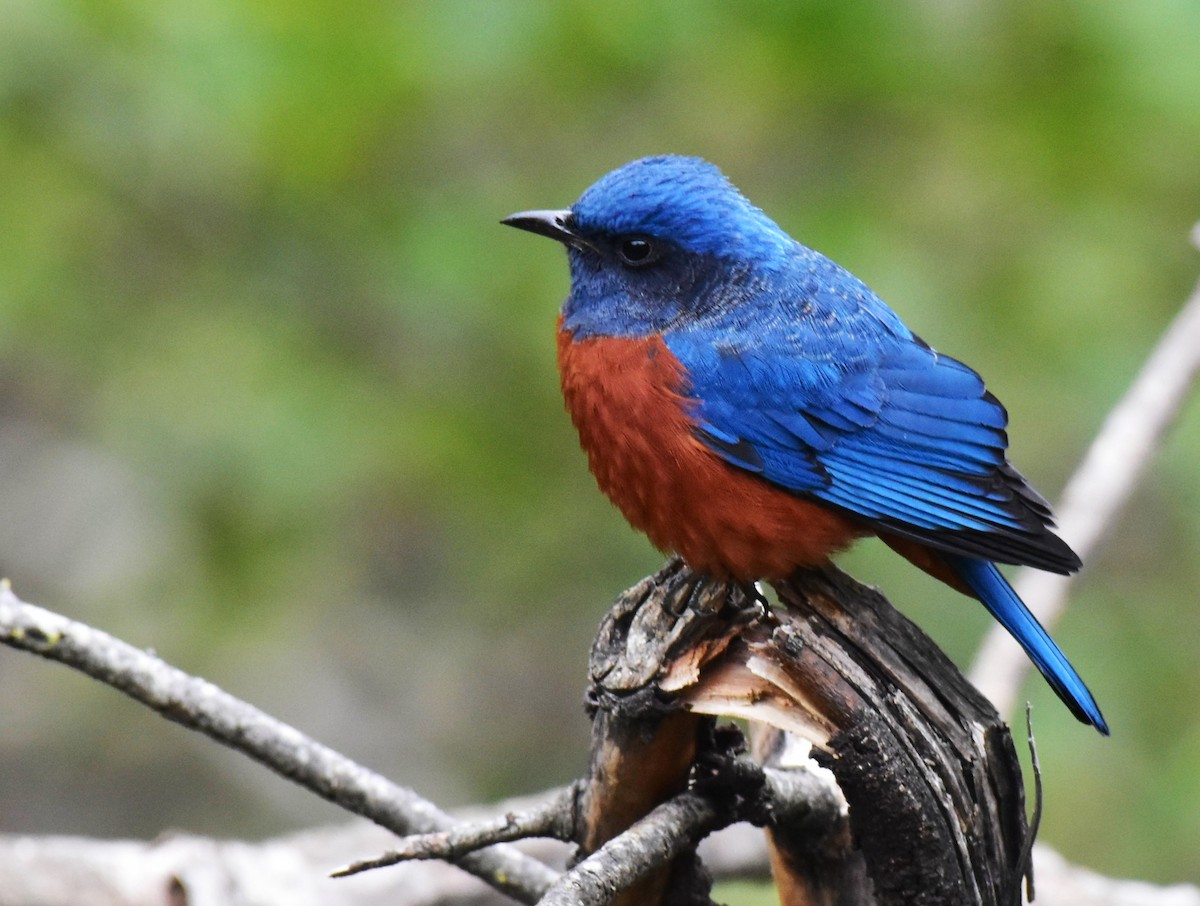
(755, 408)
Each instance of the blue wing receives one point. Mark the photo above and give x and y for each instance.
(823, 391)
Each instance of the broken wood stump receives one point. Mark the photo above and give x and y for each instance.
(929, 806)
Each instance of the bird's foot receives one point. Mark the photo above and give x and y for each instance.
(754, 594)
(707, 597)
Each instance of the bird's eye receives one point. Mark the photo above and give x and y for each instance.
(637, 251)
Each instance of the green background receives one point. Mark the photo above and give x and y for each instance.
(278, 399)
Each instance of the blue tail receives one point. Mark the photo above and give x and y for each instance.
(1002, 602)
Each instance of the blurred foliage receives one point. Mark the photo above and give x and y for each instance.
(277, 393)
(745, 893)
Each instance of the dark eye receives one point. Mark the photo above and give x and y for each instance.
(637, 251)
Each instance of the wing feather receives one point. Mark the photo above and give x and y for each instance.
(888, 430)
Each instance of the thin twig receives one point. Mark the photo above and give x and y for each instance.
(1100, 488)
(1025, 863)
(199, 705)
(554, 818)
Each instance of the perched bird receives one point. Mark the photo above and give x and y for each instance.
(754, 407)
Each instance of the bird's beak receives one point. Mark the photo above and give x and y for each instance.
(558, 225)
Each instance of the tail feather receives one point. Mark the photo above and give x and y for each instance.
(1003, 604)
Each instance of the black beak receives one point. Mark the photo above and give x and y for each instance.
(558, 225)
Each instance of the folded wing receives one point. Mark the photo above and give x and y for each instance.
(905, 439)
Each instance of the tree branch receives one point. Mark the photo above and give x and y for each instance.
(554, 818)
(668, 832)
(199, 705)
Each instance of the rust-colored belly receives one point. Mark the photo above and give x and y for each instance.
(626, 398)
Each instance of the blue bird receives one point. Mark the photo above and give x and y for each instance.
(754, 407)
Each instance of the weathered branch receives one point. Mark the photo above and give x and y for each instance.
(201, 706)
(643, 744)
(928, 768)
(1100, 488)
(926, 765)
(616, 872)
(554, 819)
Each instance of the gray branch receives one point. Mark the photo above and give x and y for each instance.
(652, 842)
(199, 705)
(554, 819)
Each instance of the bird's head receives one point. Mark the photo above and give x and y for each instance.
(659, 240)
